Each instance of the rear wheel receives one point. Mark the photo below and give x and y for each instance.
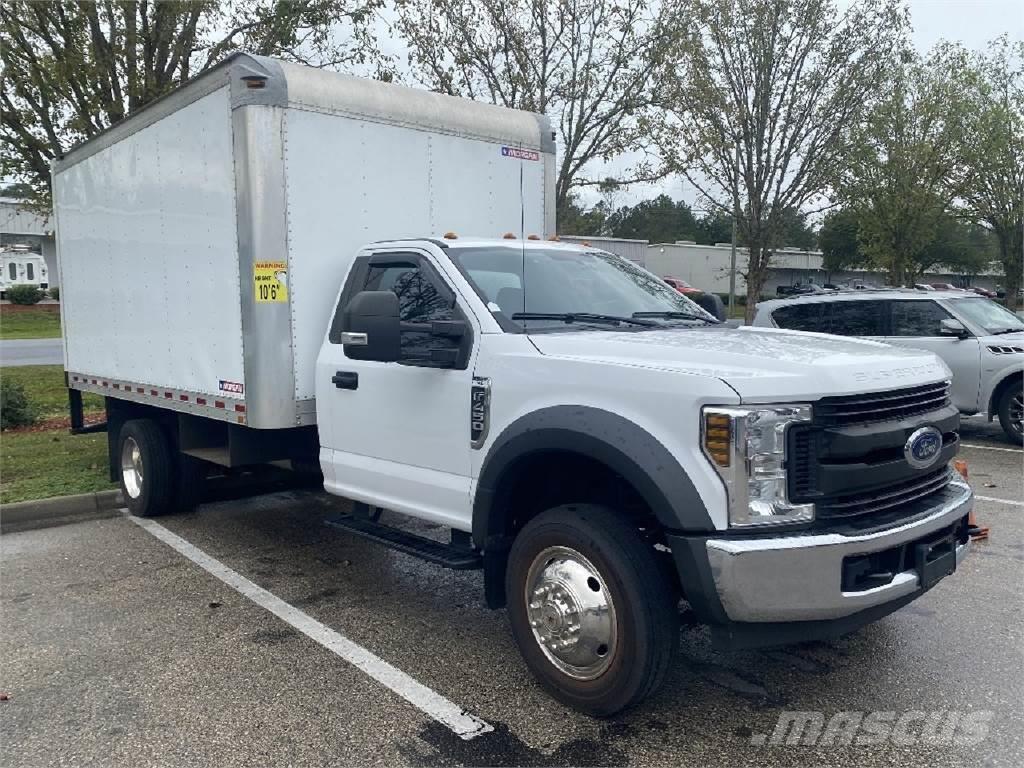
(593, 615)
(147, 469)
(1011, 413)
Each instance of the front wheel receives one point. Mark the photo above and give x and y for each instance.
(1011, 413)
(591, 611)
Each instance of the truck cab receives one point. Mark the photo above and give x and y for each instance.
(609, 447)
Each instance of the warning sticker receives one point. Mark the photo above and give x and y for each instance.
(270, 281)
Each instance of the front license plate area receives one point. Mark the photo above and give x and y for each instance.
(935, 559)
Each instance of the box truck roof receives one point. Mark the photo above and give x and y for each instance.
(262, 80)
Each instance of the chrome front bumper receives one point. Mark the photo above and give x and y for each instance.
(798, 578)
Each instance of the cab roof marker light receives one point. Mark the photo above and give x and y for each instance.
(450, 236)
(508, 236)
(533, 237)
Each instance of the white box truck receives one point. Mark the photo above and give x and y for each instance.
(252, 273)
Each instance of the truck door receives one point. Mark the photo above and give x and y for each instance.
(397, 434)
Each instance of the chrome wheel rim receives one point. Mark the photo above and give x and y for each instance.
(1016, 412)
(571, 613)
(131, 467)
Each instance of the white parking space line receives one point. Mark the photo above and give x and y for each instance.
(1011, 502)
(461, 722)
(991, 448)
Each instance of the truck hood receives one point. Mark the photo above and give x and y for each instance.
(761, 364)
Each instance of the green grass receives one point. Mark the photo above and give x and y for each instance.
(39, 322)
(38, 465)
(44, 385)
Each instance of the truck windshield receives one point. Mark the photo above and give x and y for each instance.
(994, 318)
(569, 282)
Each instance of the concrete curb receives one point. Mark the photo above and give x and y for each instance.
(42, 512)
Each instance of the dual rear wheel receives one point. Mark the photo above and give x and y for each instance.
(155, 478)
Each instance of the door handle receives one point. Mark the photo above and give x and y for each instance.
(346, 380)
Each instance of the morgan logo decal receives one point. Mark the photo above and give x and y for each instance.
(520, 154)
(232, 387)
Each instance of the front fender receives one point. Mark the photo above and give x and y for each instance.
(598, 434)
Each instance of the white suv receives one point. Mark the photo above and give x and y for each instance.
(982, 342)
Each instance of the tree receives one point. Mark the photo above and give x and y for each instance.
(70, 70)
(958, 246)
(661, 220)
(794, 231)
(838, 239)
(577, 220)
(992, 159)
(780, 82)
(591, 65)
(714, 227)
(901, 169)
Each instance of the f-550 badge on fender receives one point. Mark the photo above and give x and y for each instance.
(479, 411)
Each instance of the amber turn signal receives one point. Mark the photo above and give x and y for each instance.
(717, 438)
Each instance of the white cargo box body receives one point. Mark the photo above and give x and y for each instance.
(202, 242)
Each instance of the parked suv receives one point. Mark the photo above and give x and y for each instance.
(982, 342)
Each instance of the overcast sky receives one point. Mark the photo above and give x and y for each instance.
(971, 22)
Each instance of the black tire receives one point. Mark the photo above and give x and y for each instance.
(645, 605)
(1009, 409)
(154, 492)
(189, 483)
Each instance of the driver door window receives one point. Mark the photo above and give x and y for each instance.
(419, 301)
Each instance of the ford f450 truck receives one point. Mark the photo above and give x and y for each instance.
(248, 277)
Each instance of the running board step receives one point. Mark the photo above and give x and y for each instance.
(445, 555)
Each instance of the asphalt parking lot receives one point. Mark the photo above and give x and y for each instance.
(117, 649)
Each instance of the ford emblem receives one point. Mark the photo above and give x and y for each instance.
(923, 447)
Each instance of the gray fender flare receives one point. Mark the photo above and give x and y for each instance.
(613, 440)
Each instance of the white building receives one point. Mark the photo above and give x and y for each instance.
(707, 267)
(634, 250)
(20, 225)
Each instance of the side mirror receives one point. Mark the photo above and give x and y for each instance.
(953, 328)
(374, 331)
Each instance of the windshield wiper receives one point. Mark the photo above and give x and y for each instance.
(678, 316)
(1001, 331)
(584, 317)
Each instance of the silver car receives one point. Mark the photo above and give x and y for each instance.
(982, 342)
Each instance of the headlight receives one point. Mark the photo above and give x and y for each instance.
(747, 447)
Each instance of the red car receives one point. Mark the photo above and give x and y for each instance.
(682, 286)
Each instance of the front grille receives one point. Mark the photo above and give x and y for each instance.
(849, 460)
(894, 405)
(879, 501)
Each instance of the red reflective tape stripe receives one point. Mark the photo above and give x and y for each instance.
(240, 408)
(105, 384)
(169, 395)
(183, 397)
(140, 390)
(154, 393)
(218, 403)
(201, 400)
(116, 385)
